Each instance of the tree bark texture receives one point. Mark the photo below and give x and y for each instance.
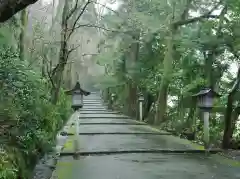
(63, 53)
(165, 81)
(24, 17)
(132, 86)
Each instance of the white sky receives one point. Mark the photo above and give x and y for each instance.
(113, 6)
(46, 1)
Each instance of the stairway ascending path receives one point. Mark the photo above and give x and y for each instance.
(113, 146)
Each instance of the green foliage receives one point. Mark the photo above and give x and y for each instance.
(29, 122)
(202, 52)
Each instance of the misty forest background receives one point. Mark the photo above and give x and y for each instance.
(166, 49)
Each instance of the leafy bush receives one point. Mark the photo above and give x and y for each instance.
(28, 120)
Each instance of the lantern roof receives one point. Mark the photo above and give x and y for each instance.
(205, 92)
(77, 90)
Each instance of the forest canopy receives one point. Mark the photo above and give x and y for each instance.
(167, 50)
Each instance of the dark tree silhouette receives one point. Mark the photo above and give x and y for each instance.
(10, 7)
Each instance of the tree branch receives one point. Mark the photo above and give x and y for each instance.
(195, 19)
(94, 26)
(72, 49)
(8, 8)
(105, 6)
(199, 18)
(50, 78)
(78, 17)
(72, 10)
(57, 66)
(55, 69)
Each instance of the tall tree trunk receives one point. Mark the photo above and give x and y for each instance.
(168, 59)
(148, 103)
(63, 55)
(44, 61)
(228, 123)
(231, 117)
(132, 86)
(132, 98)
(191, 121)
(23, 18)
(228, 119)
(43, 70)
(165, 81)
(190, 118)
(69, 81)
(208, 68)
(181, 110)
(57, 77)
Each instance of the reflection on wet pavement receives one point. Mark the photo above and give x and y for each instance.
(138, 166)
(128, 142)
(150, 166)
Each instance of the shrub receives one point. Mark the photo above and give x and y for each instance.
(28, 120)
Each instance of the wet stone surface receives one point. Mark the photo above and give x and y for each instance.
(97, 112)
(103, 120)
(137, 166)
(96, 115)
(150, 166)
(94, 107)
(125, 142)
(111, 128)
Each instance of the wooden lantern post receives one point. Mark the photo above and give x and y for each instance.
(77, 94)
(205, 102)
(141, 100)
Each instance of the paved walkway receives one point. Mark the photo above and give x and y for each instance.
(134, 165)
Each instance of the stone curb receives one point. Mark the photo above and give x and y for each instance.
(45, 169)
(65, 128)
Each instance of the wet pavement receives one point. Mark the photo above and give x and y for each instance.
(135, 166)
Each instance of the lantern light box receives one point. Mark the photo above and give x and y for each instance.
(205, 98)
(77, 96)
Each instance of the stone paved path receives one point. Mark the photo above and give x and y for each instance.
(135, 166)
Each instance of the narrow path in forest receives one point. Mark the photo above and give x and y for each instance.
(114, 146)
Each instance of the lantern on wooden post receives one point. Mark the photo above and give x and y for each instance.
(113, 97)
(141, 100)
(77, 96)
(77, 103)
(205, 100)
